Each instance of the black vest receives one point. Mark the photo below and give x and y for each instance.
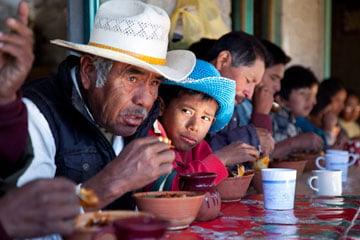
(81, 148)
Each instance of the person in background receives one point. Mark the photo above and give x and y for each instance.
(323, 119)
(40, 207)
(263, 98)
(350, 114)
(191, 108)
(240, 57)
(89, 122)
(295, 99)
(16, 58)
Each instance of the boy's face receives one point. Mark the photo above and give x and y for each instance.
(188, 119)
(352, 109)
(338, 102)
(300, 102)
(272, 78)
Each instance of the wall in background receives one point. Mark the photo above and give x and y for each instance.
(345, 51)
(303, 33)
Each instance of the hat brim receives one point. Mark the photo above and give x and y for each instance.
(179, 63)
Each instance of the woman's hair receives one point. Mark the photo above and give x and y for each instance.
(244, 49)
(296, 77)
(327, 89)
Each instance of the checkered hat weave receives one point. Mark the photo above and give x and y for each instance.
(206, 79)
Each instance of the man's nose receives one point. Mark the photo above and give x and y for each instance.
(144, 95)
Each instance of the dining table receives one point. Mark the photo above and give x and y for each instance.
(313, 217)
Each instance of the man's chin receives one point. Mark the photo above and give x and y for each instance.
(126, 131)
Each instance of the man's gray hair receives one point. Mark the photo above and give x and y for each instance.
(102, 66)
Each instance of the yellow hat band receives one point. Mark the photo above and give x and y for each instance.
(151, 60)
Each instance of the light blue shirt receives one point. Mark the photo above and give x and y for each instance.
(243, 111)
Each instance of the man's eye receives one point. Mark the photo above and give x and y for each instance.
(132, 79)
(155, 83)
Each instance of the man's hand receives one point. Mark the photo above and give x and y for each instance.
(140, 163)
(267, 142)
(16, 55)
(262, 100)
(237, 152)
(39, 208)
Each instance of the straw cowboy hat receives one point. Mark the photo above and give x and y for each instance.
(205, 78)
(136, 33)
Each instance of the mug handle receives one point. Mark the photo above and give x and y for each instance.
(310, 181)
(317, 162)
(353, 160)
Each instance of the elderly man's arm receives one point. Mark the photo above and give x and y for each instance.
(140, 163)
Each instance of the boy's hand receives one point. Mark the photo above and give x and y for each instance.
(237, 152)
(267, 142)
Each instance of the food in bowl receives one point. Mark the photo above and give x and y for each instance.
(180, 208)
(169, 195)
(292, 163)
(233, 188)
(309, 156)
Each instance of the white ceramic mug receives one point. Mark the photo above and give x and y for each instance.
(278, 188)
(336, 160)
(326, 182)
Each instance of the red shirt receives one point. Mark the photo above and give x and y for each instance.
(198, 159)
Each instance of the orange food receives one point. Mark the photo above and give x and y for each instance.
(241, 170)
(98, 220)
(88, 197)
(167, 141)
(261, 163)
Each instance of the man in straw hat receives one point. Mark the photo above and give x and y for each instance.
(81, 120)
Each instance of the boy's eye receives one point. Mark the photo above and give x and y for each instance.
(186, 111)
(206, 118)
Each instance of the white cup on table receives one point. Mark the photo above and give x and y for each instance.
(326, 182)
(336, 160)
(278, 188)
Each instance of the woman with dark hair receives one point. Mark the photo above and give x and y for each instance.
(350, 114)
(323, 118)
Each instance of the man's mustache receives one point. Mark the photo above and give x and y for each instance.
(141, 111)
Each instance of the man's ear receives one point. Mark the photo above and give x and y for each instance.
(162, 106)
(224, 59)
(87, 71)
